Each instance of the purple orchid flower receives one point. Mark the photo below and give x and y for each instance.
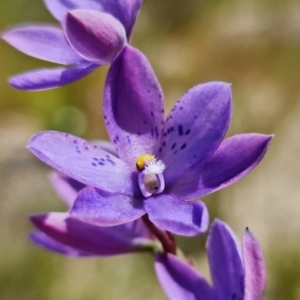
(235, 276)
(93, 33)
(160, 164)
(68, 235)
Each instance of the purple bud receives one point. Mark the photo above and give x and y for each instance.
(96, 36)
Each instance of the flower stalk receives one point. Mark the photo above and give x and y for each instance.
(166, 238)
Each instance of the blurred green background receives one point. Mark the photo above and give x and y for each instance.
(254, 44)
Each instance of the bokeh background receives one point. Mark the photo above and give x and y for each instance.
(254, 44)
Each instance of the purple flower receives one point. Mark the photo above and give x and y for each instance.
(160, 164)
(68, 235)
(235, 275)
(93, 33)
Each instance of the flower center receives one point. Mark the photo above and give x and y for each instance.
(150, 177)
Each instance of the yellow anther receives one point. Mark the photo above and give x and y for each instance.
(143, 159)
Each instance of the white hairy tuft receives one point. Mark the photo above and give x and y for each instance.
(154, 167)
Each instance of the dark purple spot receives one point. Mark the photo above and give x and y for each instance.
(173, 146)
(170, 130)
(128, 139)
(159, 150)
(180, 130)
(107, 156)
(78, 151)
(145, 122)
(156, 132)
(95, 158)
(66, 134)
(162, 110)
(139, 133)
(102, 159)
(175, 152)
(183, 146)
(107, 123)
(95, 146)
(152, 114)
(104, 117)
(101, 163)
(165, 134)
(95, 165)
(116, 139)
(233, 296)
(195, 117)
(112, 162)
(148, 90)
(159, 96)
(164, 144)
(181, 108)
(75, 141)
(86, 148)
(188, 132)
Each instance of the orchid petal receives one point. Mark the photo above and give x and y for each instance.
(97, 37)
(179, 217)
(88, 237)
(107, 146)
(59, 8)
(43, 42)
(45, 79)
(66, 187)
(234, 159)
(254, 265)
(44, 241)
(126, 11)
(195, 128)
(181, 281)
(133, 105)
(84, 162)
(225, 262)
(106, 209)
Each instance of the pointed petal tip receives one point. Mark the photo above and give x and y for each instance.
(254, 265)
(38, 219)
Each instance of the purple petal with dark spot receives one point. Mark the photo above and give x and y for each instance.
(45, 79)
(176, 216)
(195, 128)
(254, 265)
(106, 209)
(43, 42)
(234, 159)
(84, 162)
(97, 37)
(44, 241)
(181, 281)
(88, 237)
(225, 262)
(106, 145)
(133, 105)
(66, 187)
